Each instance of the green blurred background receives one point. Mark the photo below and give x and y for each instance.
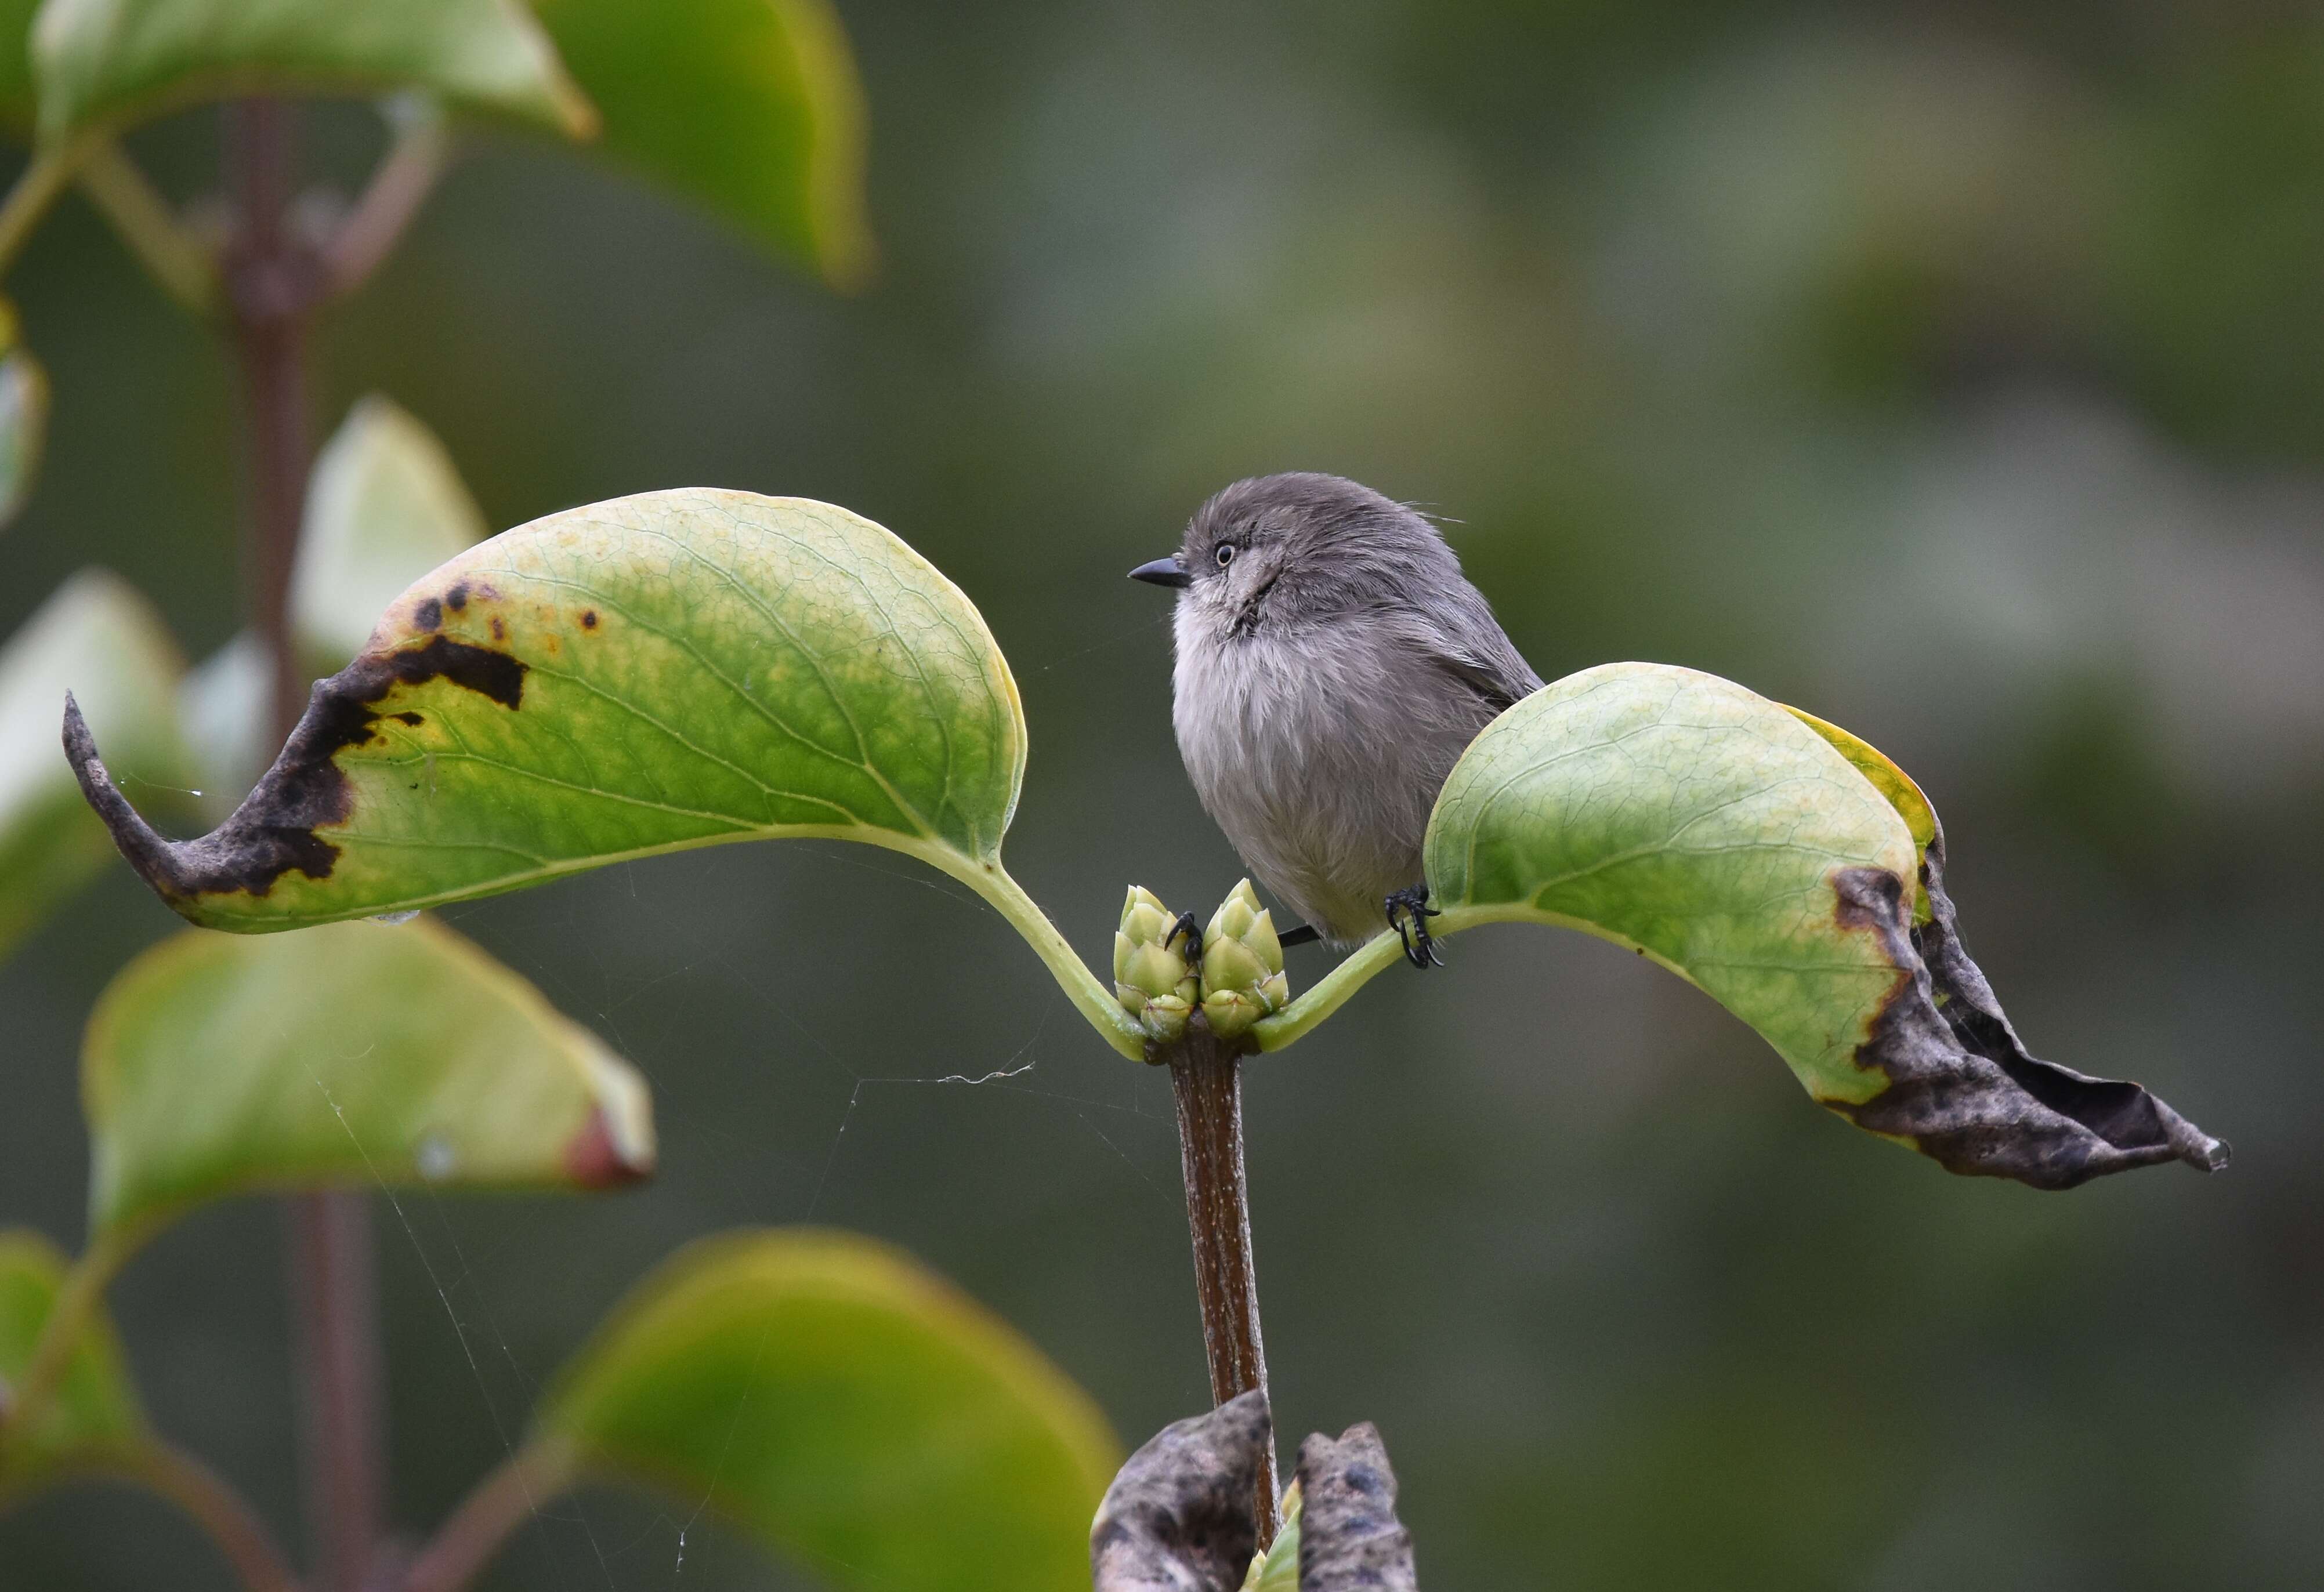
(1958, 375)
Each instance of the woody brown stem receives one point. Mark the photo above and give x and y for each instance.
(1206, 1076)
(274, 283)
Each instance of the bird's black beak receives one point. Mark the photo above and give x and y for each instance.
(1163, 572)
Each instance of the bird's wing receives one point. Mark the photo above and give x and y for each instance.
(1498, 688)
(1463, 639)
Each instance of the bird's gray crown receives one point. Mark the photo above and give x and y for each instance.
(1307, 547)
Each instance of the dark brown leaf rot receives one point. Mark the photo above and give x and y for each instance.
(273, 831)
(1179, 1517)
(1963, 1088)
(1348, 1535)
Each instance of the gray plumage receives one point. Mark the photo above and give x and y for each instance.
(1330, 672)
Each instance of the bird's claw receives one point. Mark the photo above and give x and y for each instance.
(1188, 924)
(1408, 912)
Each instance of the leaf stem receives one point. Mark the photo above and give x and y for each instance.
(1093, 999)
(124, 196)
(274, 282)
(1380, 952)
(36, 189)
(494, 1507)
(1373, 957)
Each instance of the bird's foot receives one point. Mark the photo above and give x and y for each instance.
(1305, 934)
(1408, 912)
(1188, 924)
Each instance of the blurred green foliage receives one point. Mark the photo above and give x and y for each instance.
(1953, 375)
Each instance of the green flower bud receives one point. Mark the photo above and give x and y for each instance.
(1230, 964)
(1154, 970)
(1165, 1017)
(1232, 1011)
(1242, 965)
(1151, 977)
(1144, 918)
(1277, 1569)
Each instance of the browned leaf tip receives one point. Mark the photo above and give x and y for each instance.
(593, 1159)
(1962, 1086)
(273, 831)
(1180, 1517)
(1349, 1538)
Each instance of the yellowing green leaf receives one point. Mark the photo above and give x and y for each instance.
(98, 637)
(1748, 851)
(384, 506)
(669, 670)
(92, 1406)
(358, 1055)
(108, 63)
(751, 106)
(1894, 784)
(849, 1410)
(675, 670)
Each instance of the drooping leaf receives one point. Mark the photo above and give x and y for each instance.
(94, 1406)
(358, 1055)
(849, 1410)
(384, 506)
(1682, 815)
(669, 670)
(105, 64)
(99, 637)
(1183, 1512)
(24, 417)
(751, 106)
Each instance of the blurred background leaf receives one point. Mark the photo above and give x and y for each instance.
(109, 63)
(751, 106)
(93, 1408)
(384, 506)
(24, 417)
(361, 1054)
(1832, 356)
(898, 1435)
(98, 637)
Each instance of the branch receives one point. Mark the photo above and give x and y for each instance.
(211, 1502)
(122, 194)
(76, 1302)
(494, 1507)
(1206, 1078)
(36, 189)
(422, 149)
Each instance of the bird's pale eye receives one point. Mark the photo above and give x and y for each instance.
(1225, 554)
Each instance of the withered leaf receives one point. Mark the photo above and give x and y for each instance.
(1767, 858)
(1181, 1514)
(1349, 1537)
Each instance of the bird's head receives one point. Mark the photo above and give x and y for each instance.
(1288, 552)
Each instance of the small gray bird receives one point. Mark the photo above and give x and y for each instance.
(1333, 666)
